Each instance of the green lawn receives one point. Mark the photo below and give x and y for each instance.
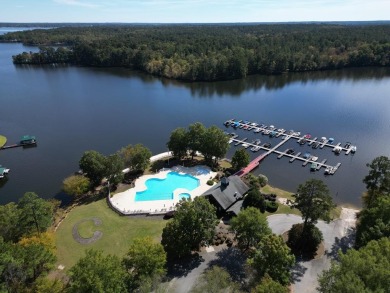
(118, 231)
(3, 140)
(283, 209)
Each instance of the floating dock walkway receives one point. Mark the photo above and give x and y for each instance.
(286, 136)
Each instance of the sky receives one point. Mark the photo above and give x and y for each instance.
(192, 11)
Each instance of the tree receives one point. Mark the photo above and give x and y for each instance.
(314, 201)
(250, 226)
(240, 159)
(46, 285)
(36, 214)
(255, 199)
(9, 219)
(373, 222)
(178, 143)
(96, 273)
(363, 270)
(195, 135)
(272, 257)
(76, 185)
(268, 285)
(215, 280)
(145, 259)
(94, 164)
(214, 144)
(136, 157)
(377, 181)
(194, 223)
(304, 239)
(22, 264)
(113, 169)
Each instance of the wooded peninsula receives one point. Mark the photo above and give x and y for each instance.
(196, 52)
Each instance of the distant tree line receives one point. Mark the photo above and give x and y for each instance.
(211, 52)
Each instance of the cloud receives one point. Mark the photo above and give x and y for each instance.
(77, 3)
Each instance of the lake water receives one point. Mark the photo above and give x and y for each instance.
(74, 109)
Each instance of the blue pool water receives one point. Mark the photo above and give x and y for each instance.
(184, 195)
(162, 189)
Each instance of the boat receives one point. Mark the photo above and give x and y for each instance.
(313, 166)
(323, 139)
(271, 127)
(306, 155)
(257, 141)
(328, 170)
(337, 150)
(267, 145)
(255, 148)
(3, 171)
(316, 145)
(245, 145)
(257, 130)
(28, 140)
(267, 131)
(331, 140)
(227, 123)
(307, 136)
(230, 140)
(353, 149)
(272, 134)
(290, 151)
(290, 132)
(302, 141)
(347, 145)
(314, 158)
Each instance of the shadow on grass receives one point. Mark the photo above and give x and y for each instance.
(181, 268)
(233, 261)
(343, 244)
(297, 272)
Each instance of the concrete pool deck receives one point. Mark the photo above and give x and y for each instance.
(125, 203)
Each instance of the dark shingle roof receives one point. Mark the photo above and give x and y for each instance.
(226, 195)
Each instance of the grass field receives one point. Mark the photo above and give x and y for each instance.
(118, 231)
(3, 140)
(283, 209)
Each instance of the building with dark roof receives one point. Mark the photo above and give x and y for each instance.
(227, 196)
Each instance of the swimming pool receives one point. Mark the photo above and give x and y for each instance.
(162, 189)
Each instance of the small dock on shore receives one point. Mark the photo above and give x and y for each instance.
(25, 141)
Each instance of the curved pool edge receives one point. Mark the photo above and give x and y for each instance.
(125, 204)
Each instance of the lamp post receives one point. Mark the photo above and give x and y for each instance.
(108, 185)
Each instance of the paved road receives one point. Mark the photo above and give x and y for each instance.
(337, 234)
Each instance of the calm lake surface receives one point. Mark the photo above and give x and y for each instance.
(74, 109)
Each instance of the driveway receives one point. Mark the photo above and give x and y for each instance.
(338, 234)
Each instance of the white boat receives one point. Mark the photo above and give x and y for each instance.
(255, 149)
(328, 170)
(245, 145)
(353, 149)
(230, 140)
(314, 158)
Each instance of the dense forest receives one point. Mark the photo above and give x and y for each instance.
(210, 52)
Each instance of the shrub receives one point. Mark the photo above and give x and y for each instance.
(255, 199)
(304, 243)
(210, 182)
(272, 206)
(263, 180)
